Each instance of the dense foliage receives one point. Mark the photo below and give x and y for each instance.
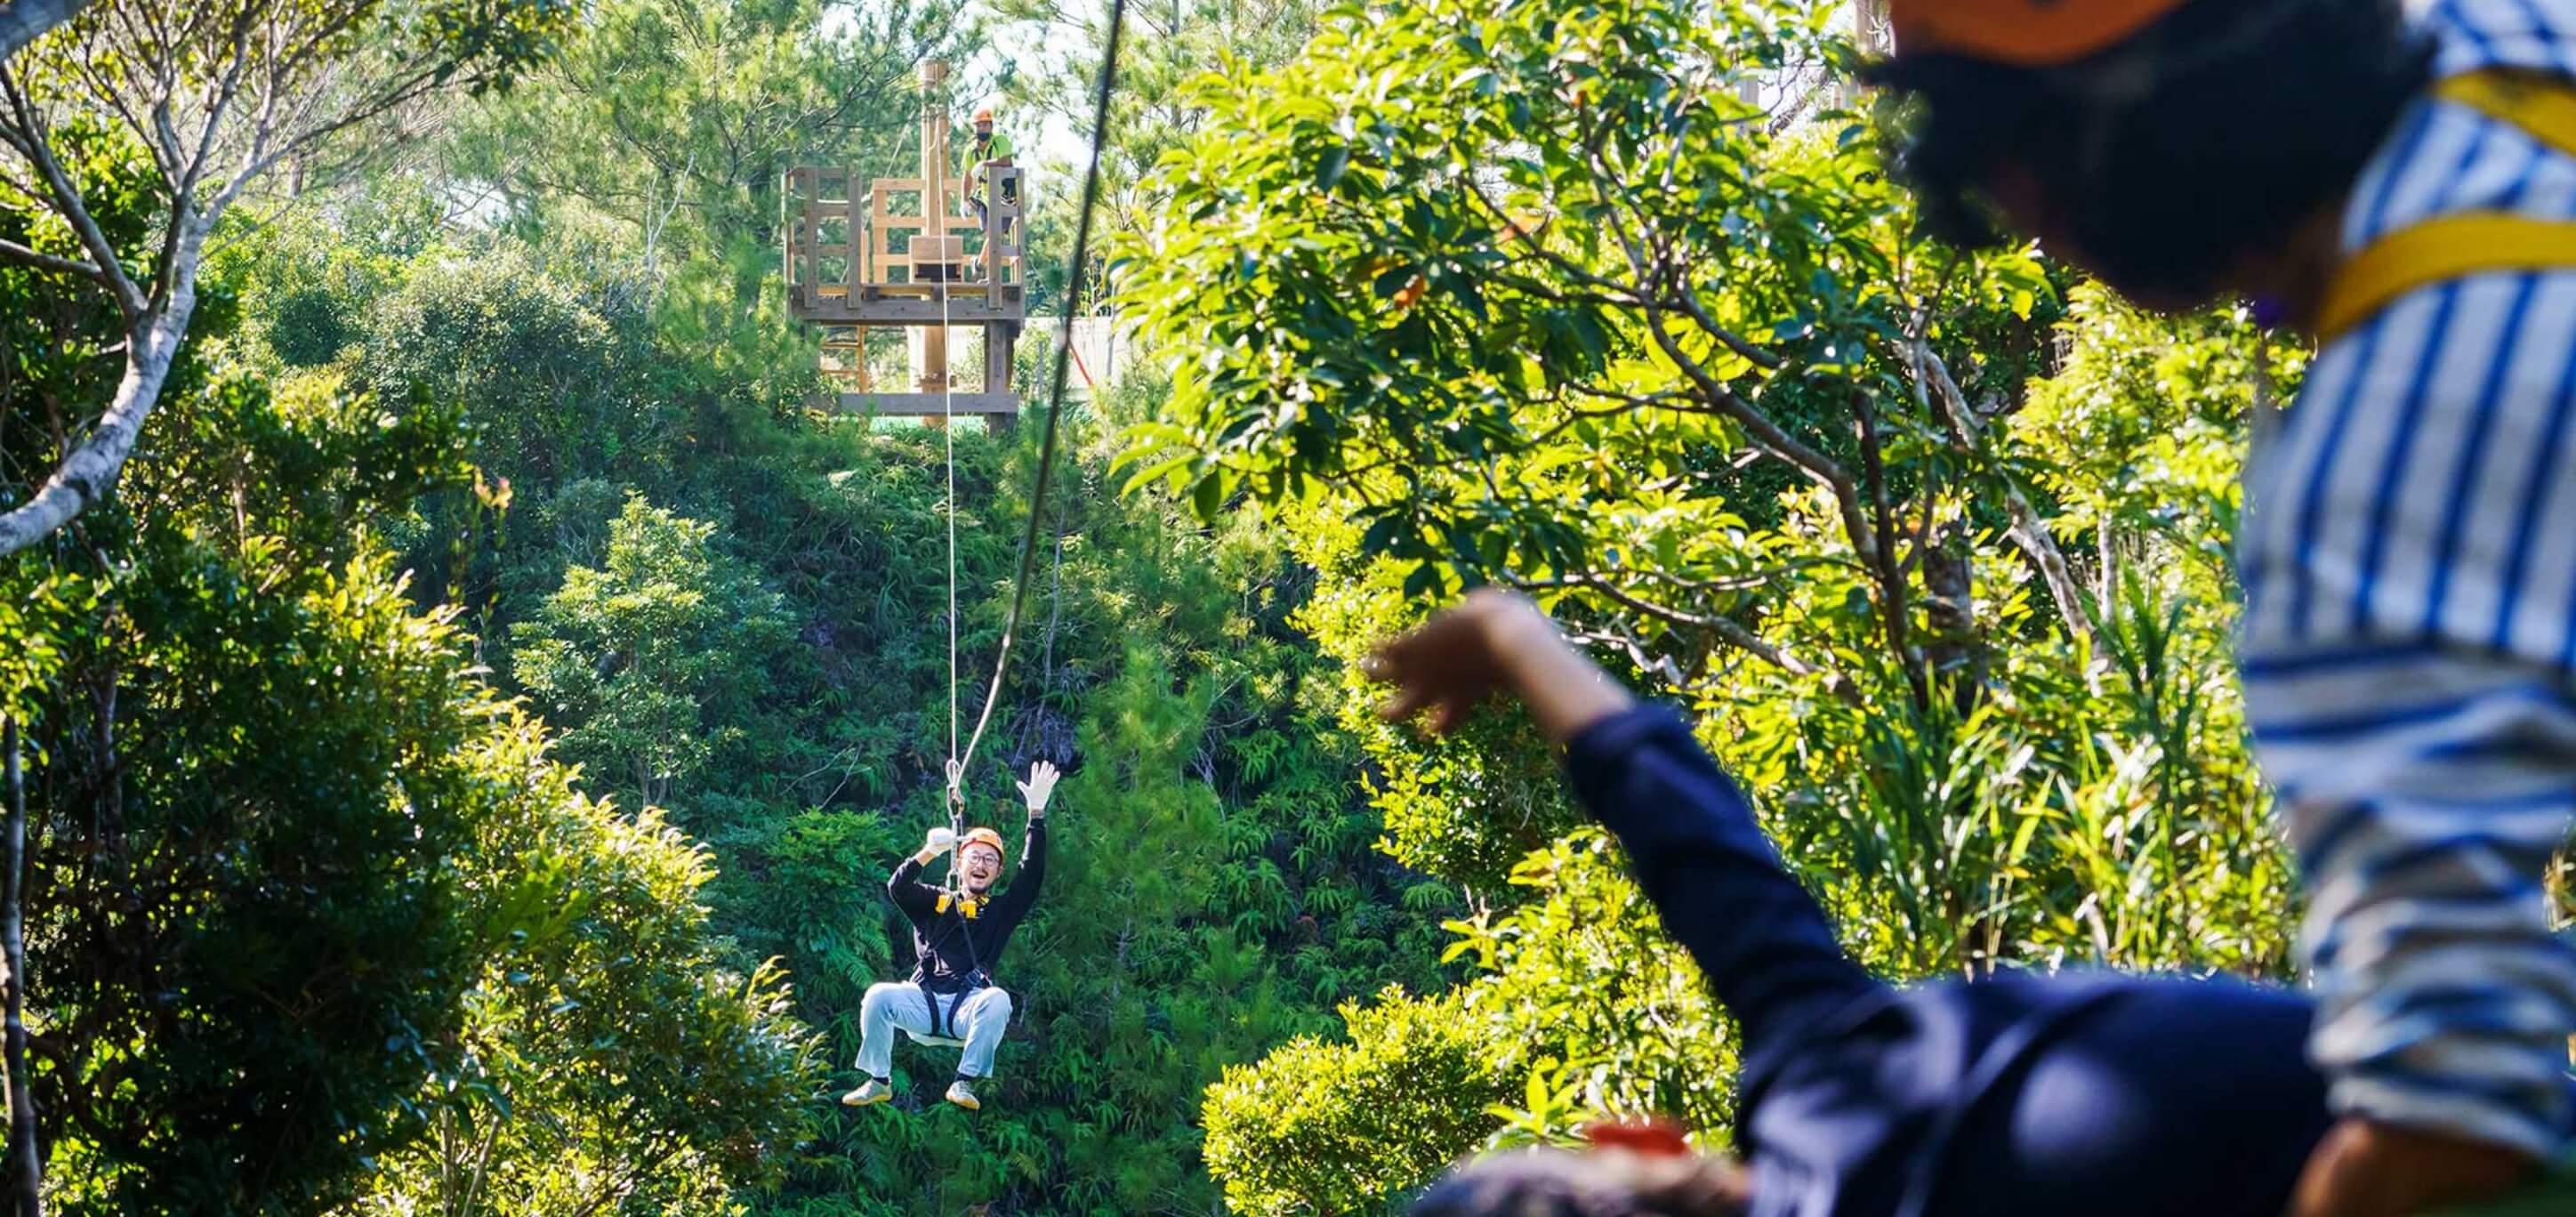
(295, 866)
(735, 613)
(1536, 295)
(466, 753)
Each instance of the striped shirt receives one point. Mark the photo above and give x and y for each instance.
(2409, 642)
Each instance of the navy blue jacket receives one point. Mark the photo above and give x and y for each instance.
(2093, 1094)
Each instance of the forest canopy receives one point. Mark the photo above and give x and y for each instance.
(470, 697)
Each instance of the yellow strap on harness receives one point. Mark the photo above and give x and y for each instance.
(2470, 242)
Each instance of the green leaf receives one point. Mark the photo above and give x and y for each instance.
(1337, 161)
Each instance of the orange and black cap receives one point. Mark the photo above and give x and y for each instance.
(983, 836)
(2023, 33)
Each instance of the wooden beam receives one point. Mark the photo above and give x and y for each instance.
(962, 309)
(919, 405)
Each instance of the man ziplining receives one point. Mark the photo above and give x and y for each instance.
(958, 933)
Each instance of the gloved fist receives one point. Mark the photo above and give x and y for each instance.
(938, 841)
(1040, 785)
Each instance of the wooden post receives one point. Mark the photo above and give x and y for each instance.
(934, 212)
(993, 221)
(997, 368)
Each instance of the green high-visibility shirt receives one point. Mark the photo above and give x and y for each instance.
(994, 149)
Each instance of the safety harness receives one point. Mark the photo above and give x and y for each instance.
(967, 908)
(2470, 242)
(943, 1023)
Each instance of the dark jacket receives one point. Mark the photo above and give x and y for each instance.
(956, 952)
(2097, 1094)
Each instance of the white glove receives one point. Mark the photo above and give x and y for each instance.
(1041, 784)
(938, 841)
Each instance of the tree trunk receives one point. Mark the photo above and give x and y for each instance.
(26, 1171)
(1869, 27)
(89, 471)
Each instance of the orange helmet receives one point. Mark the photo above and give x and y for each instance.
(982, 836)
(2026, 33)
(984, 115)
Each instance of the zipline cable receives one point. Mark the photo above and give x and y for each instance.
(1101, 90)
(948, 440)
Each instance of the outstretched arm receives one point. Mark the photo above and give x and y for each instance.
(1691, 841)
(1034, 793)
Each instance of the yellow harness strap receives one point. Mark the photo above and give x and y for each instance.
(2470, 242)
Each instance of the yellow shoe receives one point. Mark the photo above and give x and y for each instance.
(963, 1095)
(870, 1091)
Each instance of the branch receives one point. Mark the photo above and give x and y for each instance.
(1757, 426)
(89, 471)
(183, 189)
(1895, 613)
(1932, 377)
(417, 86)
(24, 21)
(15, 252)
(28, 1182)
(1760, 358)
(1728, 631)
(67, 202)
(1768, 435)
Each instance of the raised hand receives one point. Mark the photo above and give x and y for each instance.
(1493, 640)
(1457, 658)
(1040, 785)
(937, 842)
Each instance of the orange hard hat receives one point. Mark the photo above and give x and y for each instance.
(2026, 33)
(984, 115)
(982, 836)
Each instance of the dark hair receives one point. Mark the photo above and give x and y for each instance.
(2210, 134)
(1555, 1183)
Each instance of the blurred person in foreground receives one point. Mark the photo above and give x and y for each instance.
(2398, 183)
(2100, 1094)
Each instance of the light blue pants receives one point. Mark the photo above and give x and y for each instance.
(976, 1018)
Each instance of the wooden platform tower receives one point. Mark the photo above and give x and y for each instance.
(895, 255)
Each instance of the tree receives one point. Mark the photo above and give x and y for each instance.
(651, 153)
(1592, 237)
(639, 659)
(231, 939)
(1320, 1126)
(676, 117)
(1053, 56)
(215, 95)
(612, 1057)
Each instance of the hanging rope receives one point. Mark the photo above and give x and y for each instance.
(936, 203)
(1074, 277)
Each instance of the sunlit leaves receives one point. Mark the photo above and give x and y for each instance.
(1348, 1125)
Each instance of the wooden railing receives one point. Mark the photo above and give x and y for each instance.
(843, 245)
